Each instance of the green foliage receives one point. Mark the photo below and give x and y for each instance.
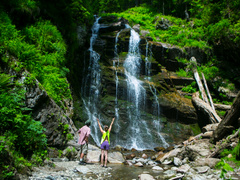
(69, 137)
(224, 168)
(20, 135)
(182, 73)
(189, 89)
(179, 33)
(41, 49)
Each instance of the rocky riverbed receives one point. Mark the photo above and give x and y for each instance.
(189, 161)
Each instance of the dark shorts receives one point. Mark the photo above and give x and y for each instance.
(105, 145)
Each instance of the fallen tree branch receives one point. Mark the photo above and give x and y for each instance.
(209, 95)
(204, 110)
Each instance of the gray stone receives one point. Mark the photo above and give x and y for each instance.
(177, 161)
(184, 168)
(145, 177)
(157, 168)
(139, 164)
(211, 162)
(202, 169)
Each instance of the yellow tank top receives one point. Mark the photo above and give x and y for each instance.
(104, 136)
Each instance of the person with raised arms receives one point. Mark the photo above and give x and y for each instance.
(105, 141)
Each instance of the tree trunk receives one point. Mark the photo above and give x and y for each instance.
(222, 107)
(230, 122)
(204, 111)
(198, 80)
(209, 95)
(210, 127)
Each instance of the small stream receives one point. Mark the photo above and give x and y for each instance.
(124, 172)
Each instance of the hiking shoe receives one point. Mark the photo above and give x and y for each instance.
(81, 163)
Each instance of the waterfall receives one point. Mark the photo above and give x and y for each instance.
(156, 106)
(116, 65)
(147, 62)
(141, 129)
(91, 84)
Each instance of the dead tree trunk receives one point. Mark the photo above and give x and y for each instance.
(222, 107)
(198, 80)
(204, 111)
(230, 122)
(209, 95)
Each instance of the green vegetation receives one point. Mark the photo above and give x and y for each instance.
(22, 141)
(231, 154)
(179, 32)
(39, 48)
(41, 37)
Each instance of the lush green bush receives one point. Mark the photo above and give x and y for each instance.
(179, 32)
(41, 49)
(20, 135)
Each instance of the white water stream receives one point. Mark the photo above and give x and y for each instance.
(141, 132)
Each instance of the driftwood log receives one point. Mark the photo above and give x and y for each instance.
(208, 92)
(198, 80)
(210, 127)
(205, 113)
(222, 107)
(230, 122)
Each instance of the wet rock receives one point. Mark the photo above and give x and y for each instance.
(163, 24)
(115, 157)
(144, 156)
(128, 163)
(211, 162)
(158, 149)
(202, 169)
(131, 156)
(144, 32)
(157, 168)
(184, 168)
(111, 23)
(138, 164)
(118, 148)
(145, 177)
(199, 149)
(136, 28)
(177, 161)
(169, 173)
(170, 154)
(59, 159)
(133, 150)
(158, 156)
(167, 162)
(70, 152)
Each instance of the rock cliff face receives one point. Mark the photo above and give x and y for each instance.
(115, 34)
(59, 127)
(163, 66)
(57, 123)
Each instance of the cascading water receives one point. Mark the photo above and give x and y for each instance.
(147, 62)
(91, 84)
(139, 134)
(141, 131)
(156, 106)
(116, 65)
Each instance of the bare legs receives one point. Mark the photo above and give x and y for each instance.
(81, 156)
(104, 153)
